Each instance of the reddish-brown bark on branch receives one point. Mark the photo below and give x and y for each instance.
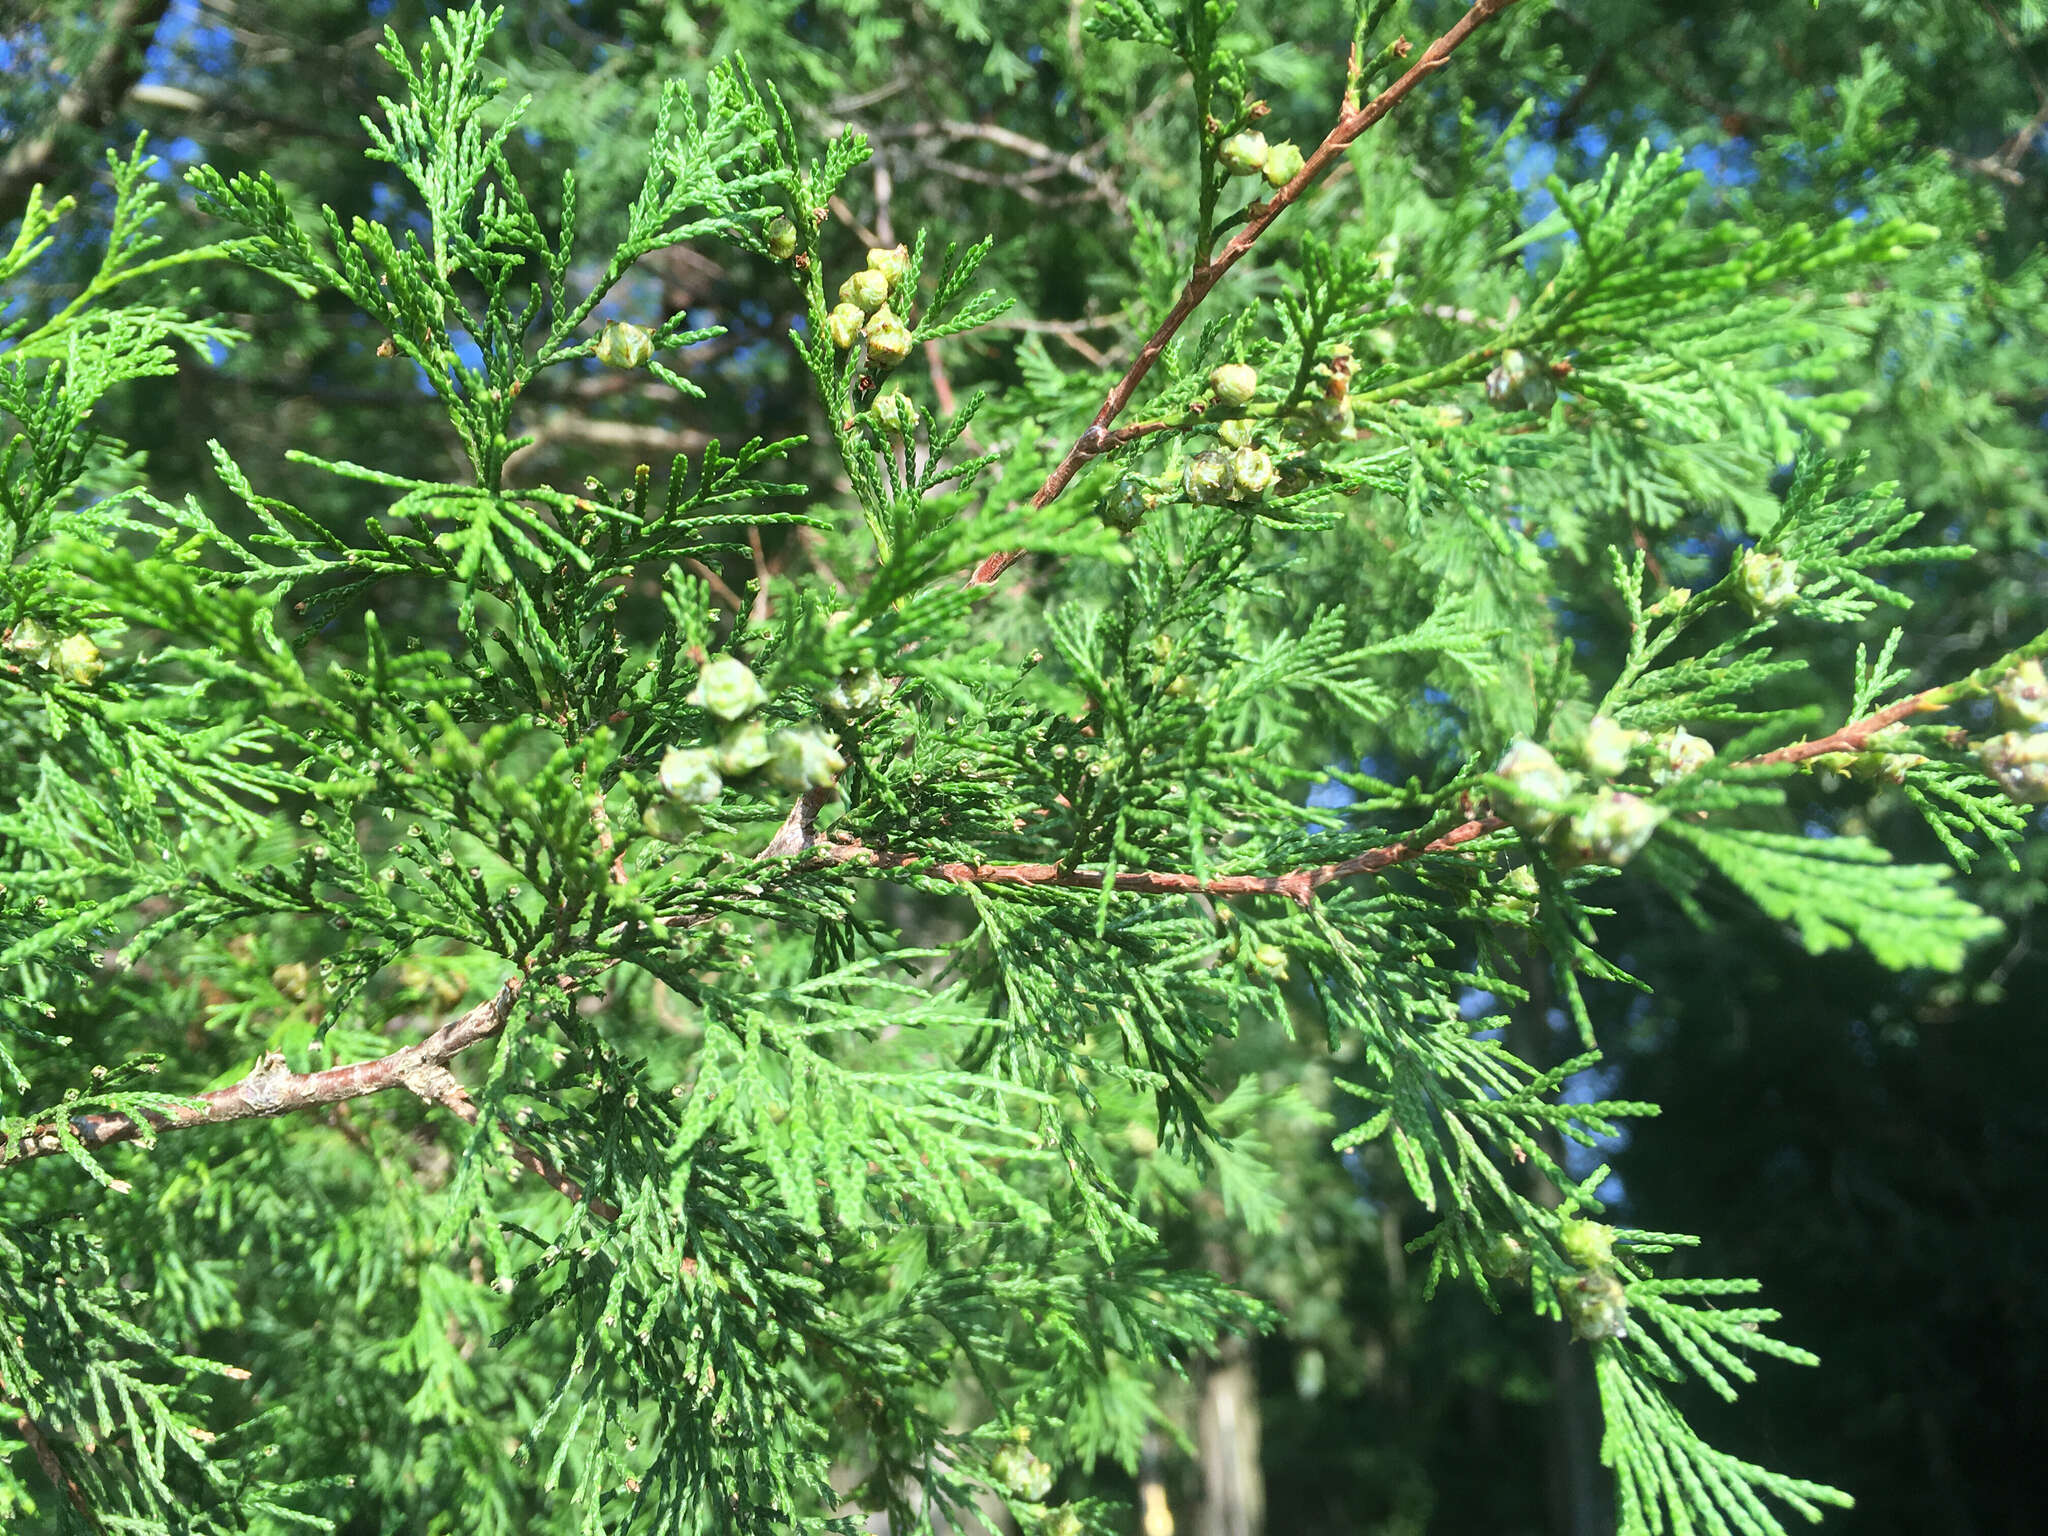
(1298, 885)
(1856, 736)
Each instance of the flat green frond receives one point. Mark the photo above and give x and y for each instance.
(1840, 890)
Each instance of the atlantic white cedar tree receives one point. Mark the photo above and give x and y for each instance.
(686, 1000)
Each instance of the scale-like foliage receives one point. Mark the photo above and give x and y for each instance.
(781, 981)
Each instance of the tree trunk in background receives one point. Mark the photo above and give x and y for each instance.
(1574, 1486)
(1155, 1514)
(1227, 1438)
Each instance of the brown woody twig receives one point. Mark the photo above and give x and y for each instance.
(715, 584)
(1051, 161)
(52, 1465)
(272, 1089)
(1298, 885)
(438, 1086)
(1353, 121)
(1856, 736)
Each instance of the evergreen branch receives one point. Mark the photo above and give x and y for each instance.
(1834, 890)
(797, 834)
(815, 1160)
(269, 1090)
(1350, 124)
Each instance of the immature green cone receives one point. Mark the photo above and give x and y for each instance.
(1127, 503)
(1517, 893)
(689, 776)
(895, 412)
(1892, 767)
(1539, 392)
(2019, 762)
(1270, 961)
(891, 261)
(77, 660)
(1612, 830)
(1505, 1258)
(1606, 746)
(1235, 383)
(1504, 384)
(1244, 154)
(843, 325)
(742, 749)
(1595, 1305)
(1671, 602)
(1022, 1473)
(805, 758)
(1677, 753)
(1767, 584)
(1588, 1244)
(856, 693)
(1206, 478)
(33, 639)
(1537, 788)
(1061, 1522)
(624, 346)
(1876, 761)
(2022, 695)
(888, 338)
(1237, 432)
(781, 237)
(1283, 163)
(867, 290)
(1251, 474)
(728, 688)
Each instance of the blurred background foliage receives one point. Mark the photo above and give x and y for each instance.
(1866, 1143)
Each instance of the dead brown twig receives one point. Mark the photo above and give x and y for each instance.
(273, 1089)
(1051, 162)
